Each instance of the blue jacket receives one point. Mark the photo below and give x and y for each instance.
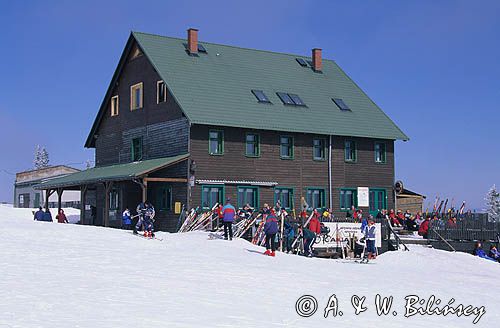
(126, 217)
(482, 254)
(364, 223)
(228, 213)
(47, 217)
(39, 215)
(289, 230)
(271, 225)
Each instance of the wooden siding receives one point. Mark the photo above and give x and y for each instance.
(160, 123)
(299, 173)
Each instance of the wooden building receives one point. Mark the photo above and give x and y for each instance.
(195, 123)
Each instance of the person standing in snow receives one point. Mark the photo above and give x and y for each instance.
(38, 215)
(228, 215)
(47, 216)
(369, 233)
(314, 224)
(149, 215)
(309, 239)
(126, 219)
(61, 217)
(141, 212)
(271, 229)
(289, 236)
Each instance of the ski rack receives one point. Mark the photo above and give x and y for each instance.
(398, 239)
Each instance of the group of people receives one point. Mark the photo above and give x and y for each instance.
(145, 219)
(42, 215)
(493, 254)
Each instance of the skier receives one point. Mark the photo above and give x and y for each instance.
(47, 216)
(271, 229)
(61, 217)
(309, 238)
(149, 220)
(228, 213)
(141, 212)
(126, 219)
(314, 224)
(369, 233)
(38, 215)
(364, 222)
(289, 236)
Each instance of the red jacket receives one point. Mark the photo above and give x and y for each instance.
(61, 218)
(424, 228)
(314, 225)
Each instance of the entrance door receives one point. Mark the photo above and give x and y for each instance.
(378, 200)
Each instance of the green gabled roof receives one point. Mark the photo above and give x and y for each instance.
(117, 172)
(215, 89)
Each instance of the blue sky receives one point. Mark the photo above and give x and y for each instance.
(432, 66)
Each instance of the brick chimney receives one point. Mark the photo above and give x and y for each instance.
(316, 59)
(193, 40)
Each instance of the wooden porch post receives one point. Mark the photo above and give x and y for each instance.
(83, 194)
(59, 198)
(48, 193)
(144, 190)
(107, 188)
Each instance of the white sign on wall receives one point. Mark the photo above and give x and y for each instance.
(341, 231)
(363, 197)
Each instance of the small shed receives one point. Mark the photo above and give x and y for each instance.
(410, 200)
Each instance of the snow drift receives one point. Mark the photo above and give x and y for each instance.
(65, 275)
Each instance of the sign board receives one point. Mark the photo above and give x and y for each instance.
(344, 231)
(177, 208)
(363, 197)
(191, 181)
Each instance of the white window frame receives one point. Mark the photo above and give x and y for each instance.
(132, 88)
(115, 111)
(158, 92)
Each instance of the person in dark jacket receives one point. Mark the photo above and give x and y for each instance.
(494, 253)
(61, 217)
(271, 229)
(228, 215)
(478, 251)
(38, 215)
(309, 238)
(47, 216)
(289, 236)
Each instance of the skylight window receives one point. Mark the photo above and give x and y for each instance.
(201, 48)
(301, 62)
(296, 100)
(290, 99)
(341, 104)
(285, 98)
(261, 96)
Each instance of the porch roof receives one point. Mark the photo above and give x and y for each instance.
(118, 172)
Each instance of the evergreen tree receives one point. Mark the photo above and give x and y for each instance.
(41, 159)
(493, 204)
(44, 157)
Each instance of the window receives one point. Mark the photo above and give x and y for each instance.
(286, 147)
(210, 195)
(284, 196)
(201, 48)
(340, 104)
(161, 92)
(24, 200)
(380, 152)
(350, 151)
(164, 198)
(114, 106)
(296, 100)
(348, 198)
(136, 96)
(252, 147)
(319, 149)
(136, 149)
(285, 98)
(290, 99)
(261, 96)
(248, 195)
(113, 200)
(315, 198)
(301, 62)
(378, 200)
(216, 142)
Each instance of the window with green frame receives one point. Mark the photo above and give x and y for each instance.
(164, 198)
(319, 149)
(136, 149)
(284, 196)
(348, 198)
(216, 142)
(248, 195)
(286, 147)
(315, 198)
(350, 151)
(113, 200)
(252, 145)
(380, 152)
(211, 194)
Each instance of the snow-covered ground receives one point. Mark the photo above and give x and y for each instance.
(64, 275)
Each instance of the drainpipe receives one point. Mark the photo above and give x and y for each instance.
(330, 187)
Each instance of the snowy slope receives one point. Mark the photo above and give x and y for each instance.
(63, 275)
